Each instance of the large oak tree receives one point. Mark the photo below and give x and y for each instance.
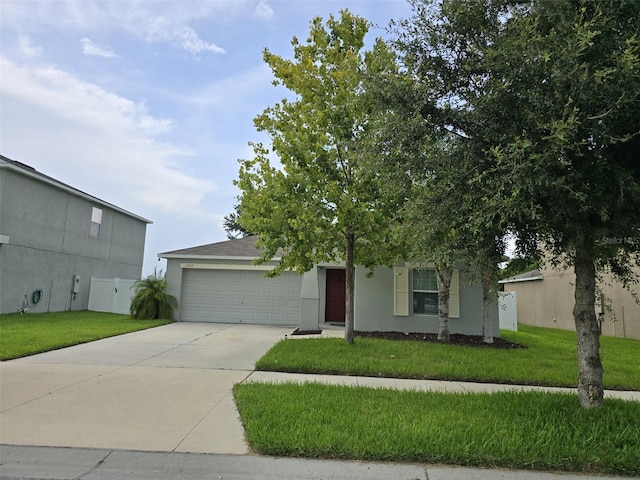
(546, 97)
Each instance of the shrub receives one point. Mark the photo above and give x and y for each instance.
(151, 301)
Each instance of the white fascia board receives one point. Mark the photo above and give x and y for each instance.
(226, 266)
(209, 257)
(4, 239)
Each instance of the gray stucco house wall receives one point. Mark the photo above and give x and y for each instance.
(374, 307)
(220, 282)
(54, 238)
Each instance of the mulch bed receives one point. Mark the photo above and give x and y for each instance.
(456, 338)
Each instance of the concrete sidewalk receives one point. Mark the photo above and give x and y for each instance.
(419, 385)
(51, 463)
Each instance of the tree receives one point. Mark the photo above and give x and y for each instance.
(151, 301)
(232, 227)
(546, 95)
(422, 162)
(323, 204)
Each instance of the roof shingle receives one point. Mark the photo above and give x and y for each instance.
(240, 247)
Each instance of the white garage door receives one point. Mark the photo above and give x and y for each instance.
(238, 296)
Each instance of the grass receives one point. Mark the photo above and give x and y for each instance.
(32, 333)
(532, 430)
(549, 359)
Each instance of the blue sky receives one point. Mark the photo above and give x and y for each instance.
(149, 104)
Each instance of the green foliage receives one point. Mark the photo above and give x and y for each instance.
(549, 359)
(322, 197)
(151, 300)
(232, 227)
(526, 430)
(323, 205)
(33, 333)
(544, 98)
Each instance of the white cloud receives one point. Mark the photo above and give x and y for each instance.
(104, 142)
(264, 11)
(188, 39)
(169, 22)
(91, 48)
(27, 49)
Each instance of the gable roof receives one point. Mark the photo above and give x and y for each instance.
(236, 248)
(524, 277)
(29, 171)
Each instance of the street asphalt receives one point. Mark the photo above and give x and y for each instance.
(158, 404)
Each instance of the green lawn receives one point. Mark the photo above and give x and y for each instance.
(23, 335)
(526, 430)
(549, 359)
(532, 430)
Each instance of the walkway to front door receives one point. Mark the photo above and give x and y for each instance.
(335, 307)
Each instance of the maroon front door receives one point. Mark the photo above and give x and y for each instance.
(334, 311)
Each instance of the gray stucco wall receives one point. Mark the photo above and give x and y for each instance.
(49, 243)
(373, 301)
(374, 307)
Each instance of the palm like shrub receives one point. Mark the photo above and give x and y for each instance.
(151, 301)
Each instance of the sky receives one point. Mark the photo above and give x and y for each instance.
(148, 105)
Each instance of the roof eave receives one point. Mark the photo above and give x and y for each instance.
(209, 257)
(517, 280)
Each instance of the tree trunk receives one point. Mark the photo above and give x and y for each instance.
(489, 266)
(349, 324)
(444, 283)
(487, 325)
(590, 385)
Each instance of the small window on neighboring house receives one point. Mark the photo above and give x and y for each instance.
(96, 221)
(425, 292)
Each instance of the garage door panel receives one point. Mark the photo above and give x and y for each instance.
(249, 289)
(236, 296)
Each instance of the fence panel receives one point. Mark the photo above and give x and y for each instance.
(508, 311)
(111, 295)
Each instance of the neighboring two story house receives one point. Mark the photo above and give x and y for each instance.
(54, 238)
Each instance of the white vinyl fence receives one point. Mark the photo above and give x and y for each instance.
(111, 295)
(508, 311)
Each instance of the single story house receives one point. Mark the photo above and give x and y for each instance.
(219, 282)
(546, 298)
(54, 238)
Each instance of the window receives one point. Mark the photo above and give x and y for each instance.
(419, 289)
(425, 292)
(96, 221)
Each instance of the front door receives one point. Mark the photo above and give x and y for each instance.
(335, 307)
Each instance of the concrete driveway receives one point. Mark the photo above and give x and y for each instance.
(165, 389)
